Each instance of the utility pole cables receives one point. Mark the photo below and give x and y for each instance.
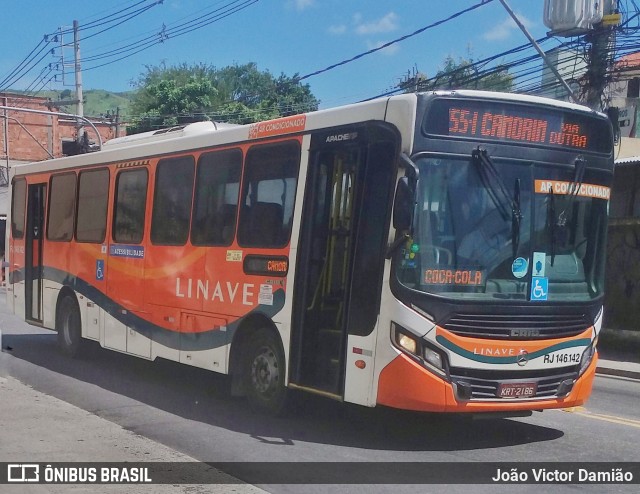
(602, 43)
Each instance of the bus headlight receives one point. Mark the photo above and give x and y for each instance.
(404, 340)
(587, 357)
(421, 350)
(408, 343)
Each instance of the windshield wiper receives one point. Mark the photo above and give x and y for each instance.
(490, 177)
(573, 191)
(551, 219)
(578, 176)
(488, 171)
(516, 218)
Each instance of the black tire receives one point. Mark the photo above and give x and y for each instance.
(68, 325)
(264, 372)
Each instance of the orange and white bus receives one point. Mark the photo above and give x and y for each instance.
(437, 252)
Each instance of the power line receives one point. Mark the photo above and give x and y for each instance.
(402, 38)
(166, 33)
(25, 61)
(200, 21)
(21, 71)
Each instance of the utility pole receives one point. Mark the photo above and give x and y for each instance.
(117, 122)
(602, 40)
(78, 72)
(5, 128)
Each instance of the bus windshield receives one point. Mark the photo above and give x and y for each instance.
(511, 230)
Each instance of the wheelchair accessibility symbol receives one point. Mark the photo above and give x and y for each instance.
(99, 269)
(539, 288)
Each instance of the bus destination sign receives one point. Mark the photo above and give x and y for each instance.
(516, 123)
(514, 127)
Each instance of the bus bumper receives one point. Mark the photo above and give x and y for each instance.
(407, 385)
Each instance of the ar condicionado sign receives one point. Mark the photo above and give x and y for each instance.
(583, 190)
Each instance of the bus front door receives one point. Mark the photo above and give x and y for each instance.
(33, 252)
(341, 255)
(324, 270)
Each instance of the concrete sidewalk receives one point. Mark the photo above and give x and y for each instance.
(618, 368)
(619, 352)
(39, 428)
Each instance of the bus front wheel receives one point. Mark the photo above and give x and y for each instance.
(69, 328)
(264, 370)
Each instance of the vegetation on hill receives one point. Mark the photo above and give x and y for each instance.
(97, 102)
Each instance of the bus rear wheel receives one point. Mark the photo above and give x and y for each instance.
(264, 372)
(68, 325)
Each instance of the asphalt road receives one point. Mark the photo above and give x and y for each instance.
(189, 410)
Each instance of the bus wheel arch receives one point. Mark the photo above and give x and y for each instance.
(68, 323)
(257, 365)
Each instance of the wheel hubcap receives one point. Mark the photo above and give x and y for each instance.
(264, 371)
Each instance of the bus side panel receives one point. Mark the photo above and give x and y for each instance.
(124, 276)
(359, 368)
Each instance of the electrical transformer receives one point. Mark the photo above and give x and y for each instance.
(572, 17)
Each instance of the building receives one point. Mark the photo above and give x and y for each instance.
(624, 92)
(571, 65)
(622, 291)
(27, 137)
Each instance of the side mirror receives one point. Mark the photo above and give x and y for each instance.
(403, 205)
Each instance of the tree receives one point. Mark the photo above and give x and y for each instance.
(235, 94)
(465, 73)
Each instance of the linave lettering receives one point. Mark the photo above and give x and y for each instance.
(221, 291)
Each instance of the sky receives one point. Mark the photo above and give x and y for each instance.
(281, 36)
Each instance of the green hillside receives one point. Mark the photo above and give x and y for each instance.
(97, 102)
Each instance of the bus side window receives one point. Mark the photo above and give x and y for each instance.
(62, 207)
(93, 199)
(216, 197)
(268, 195)
(130, 206)
(172, 201)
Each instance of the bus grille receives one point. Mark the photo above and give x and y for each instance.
(484, 383)
(516, 326)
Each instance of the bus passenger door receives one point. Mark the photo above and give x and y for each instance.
(323, 268)
(33, 252)
(341, 259)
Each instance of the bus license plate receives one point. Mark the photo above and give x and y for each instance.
(517, 390)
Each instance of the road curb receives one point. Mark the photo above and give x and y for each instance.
(607, 371)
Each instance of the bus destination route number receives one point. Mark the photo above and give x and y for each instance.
(515, 127)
